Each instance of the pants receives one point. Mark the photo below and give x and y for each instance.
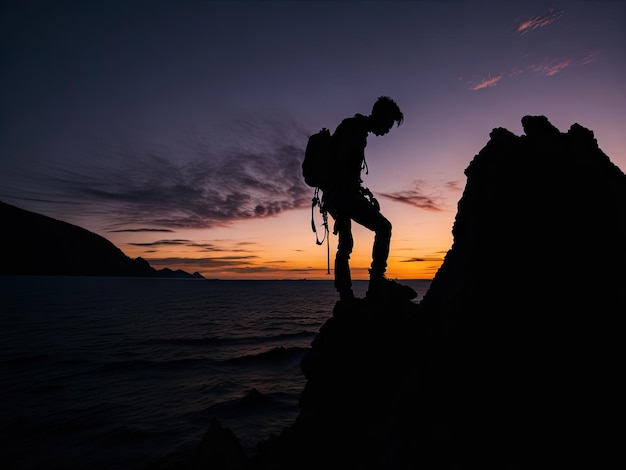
(344, 207)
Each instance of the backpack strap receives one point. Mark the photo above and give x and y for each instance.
(317, 202)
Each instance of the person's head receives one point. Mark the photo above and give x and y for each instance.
(384, 113)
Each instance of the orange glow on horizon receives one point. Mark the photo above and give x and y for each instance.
(311, 264)
(284, 247)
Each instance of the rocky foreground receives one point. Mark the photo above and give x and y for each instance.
(512, 360)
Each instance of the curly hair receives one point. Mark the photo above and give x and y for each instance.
(388, 107)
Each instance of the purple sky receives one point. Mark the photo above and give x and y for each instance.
(176, 129)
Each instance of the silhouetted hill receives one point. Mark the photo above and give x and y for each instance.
(34, 244)
(513, 358)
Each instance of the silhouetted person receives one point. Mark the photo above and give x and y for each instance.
(347, 200)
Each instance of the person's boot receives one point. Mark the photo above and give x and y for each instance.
(381, 288)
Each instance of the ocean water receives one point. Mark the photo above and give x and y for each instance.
(127, 373)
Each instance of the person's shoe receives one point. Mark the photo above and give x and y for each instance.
(386, 289)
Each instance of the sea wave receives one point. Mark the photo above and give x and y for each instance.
(279, 353)
(221, 340)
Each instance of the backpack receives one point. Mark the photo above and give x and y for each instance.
(317, 159)
(316, 170)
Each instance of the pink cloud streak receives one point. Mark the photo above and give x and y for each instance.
(540, 21)
(547, 68)
(552, 68)
(487, 82)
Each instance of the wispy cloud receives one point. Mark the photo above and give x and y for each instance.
(142, 189)
(199, 247)
(238, 262)
(453, 185)
(589, 58)
(485, 82)
(421, 260)
(212, 259)
(140, 230)
(420, 196)
(540, 21)
(550, 67)
(165, 243)
(546, 67)
(216, 266)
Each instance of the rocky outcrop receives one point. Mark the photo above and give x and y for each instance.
(38, 245)
(512, 359)
(530, 300)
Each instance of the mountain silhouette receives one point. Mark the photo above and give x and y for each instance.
(35, 244)
(513, 358)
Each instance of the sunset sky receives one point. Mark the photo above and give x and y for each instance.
(176, 129)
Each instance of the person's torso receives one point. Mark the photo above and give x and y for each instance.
(349, 142)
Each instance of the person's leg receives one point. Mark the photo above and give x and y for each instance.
(365, 214)
(343, 280)
(380, 287)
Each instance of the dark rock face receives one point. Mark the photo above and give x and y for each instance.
(513, 358)
(363, 404)
(530, 300)
(38, 245)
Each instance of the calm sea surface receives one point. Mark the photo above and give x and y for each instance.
(127, 373)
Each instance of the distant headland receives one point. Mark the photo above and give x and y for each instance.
(35, 244)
